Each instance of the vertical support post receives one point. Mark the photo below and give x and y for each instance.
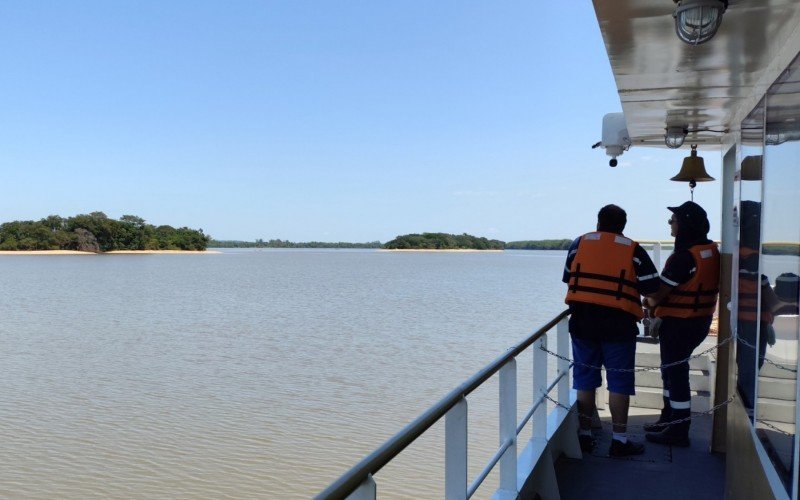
(795, 448)
(508, 429)
(723, 375)
(539, 418)
(367, 490)
(562, 341)
(657, 255)
(455, 452)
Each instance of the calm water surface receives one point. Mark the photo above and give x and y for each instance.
(250, 374)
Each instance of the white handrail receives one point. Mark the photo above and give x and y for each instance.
(358, 483)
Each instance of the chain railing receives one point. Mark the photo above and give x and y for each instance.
(765, 358)
(640, 368)
(675, 363)
(671, 422)
(774, 428)
(358, 482)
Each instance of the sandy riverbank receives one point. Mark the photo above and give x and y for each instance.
(124, 252)
(449, 250)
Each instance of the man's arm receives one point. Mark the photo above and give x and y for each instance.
(678, 269)
(646, 272)
(573, 249)
(769, 298)
(651, 300)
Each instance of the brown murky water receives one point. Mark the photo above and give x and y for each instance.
(250, 374)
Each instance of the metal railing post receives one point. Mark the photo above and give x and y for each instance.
(795, 451)
(657, 256)
(539, 418)
(367, 490)
(455, 451)
(453, 407)
(508, 427)
(562, 343)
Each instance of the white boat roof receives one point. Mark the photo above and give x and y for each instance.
(663, 81)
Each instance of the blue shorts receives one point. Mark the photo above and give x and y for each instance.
(609, 355)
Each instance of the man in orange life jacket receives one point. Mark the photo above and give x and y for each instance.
(685, 303)
(754, 315)
(607, 273)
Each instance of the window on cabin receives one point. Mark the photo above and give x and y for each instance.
(780, 264)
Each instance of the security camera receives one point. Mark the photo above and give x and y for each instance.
(615, 136)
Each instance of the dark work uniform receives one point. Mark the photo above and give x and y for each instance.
(680, 336)
(604, 335)
(748, 332)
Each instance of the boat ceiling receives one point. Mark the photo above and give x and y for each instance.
(663, 81)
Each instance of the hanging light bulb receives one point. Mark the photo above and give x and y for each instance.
(693, 170)
(697, 21)
(777, 133)
(674, 137)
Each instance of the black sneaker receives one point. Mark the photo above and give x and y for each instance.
(626, 449)
(587, 443)
(656, 426)
(669, 437)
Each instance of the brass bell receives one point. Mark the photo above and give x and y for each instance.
(693, 171)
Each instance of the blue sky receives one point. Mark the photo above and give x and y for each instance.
(324, 120)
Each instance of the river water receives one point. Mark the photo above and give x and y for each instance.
(251, 374)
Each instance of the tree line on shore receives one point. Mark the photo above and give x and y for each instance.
(96, 232)
(423, 241)
(259, 243)
(539, 245)
(445, 241)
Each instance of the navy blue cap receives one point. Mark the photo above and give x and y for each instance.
(690, 214)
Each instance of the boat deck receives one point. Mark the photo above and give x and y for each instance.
(663, 472)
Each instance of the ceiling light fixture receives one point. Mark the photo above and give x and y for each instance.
(778, 133)
(674, 137)
(697, 21)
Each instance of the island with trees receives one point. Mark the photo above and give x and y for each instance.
(96, 232)
(442, 241)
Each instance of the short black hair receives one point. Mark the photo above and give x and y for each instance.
(611, 219)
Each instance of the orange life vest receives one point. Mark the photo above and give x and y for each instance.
(749, 284)
(698, 296)
(602, 273)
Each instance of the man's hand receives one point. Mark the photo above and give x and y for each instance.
(655, 324)
(652, 300)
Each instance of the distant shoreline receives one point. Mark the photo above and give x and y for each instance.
(443, 250)
(117, 252)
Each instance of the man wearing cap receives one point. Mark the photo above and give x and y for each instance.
(606, 273)
(685, 302)
(757, 306)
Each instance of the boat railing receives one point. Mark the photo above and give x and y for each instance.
(656, 246)
(359, 484)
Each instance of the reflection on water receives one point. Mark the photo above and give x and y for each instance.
(251, 373)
